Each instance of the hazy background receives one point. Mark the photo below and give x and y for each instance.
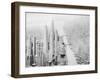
(75, 27)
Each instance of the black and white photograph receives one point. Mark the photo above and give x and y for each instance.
(56, 39)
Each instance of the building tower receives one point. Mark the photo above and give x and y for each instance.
(46, 41)
(34, 51)
(31, 51)
(52, 43)
(56, 46)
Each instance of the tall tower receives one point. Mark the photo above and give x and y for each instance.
(52, 43)
(34, 51)
(56, 42)
(47, 39)
(45, 43)
(28, 51)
